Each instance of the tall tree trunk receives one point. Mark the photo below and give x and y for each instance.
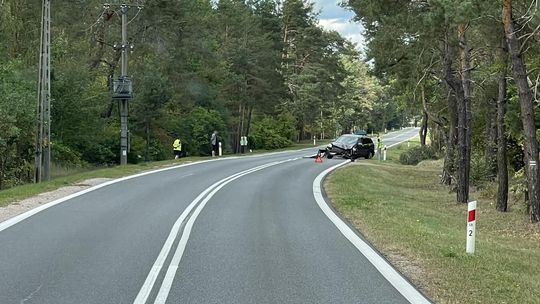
(453, 88)
(236, 138)
(2, 167)
(242, 128)
(440, 139)
(424, 126)
(464, 119)
(519, 70)
(502, 169)
(147, 146)
(490, 152)
(248, 126)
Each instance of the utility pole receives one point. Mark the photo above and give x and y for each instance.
(43, 136)
(123, 87)
(124, 110)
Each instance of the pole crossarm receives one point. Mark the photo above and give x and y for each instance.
(133, 3)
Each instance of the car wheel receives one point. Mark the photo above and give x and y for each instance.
(329, 156)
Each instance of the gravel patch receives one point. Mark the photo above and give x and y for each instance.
(19, 207)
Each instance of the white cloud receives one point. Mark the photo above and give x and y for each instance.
(347, 29)
(334, 17)
(334, 24)
(358, 39)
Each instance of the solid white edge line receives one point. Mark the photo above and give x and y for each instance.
(387, 271)
(150, 280)
(166, 285)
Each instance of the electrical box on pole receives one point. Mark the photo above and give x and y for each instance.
(122, 87)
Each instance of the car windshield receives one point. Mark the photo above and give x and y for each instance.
(347, 139)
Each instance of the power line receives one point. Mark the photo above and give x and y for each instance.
(135, 17)
(99, 19)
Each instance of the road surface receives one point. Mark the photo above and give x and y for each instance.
(238, 230)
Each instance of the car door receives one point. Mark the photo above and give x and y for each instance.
(366, 146)
(359, 151)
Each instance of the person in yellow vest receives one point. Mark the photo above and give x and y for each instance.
(380, 147)
(177, 148)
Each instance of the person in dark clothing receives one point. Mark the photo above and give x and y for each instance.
(214, 141)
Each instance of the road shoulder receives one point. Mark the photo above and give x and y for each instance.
(19, 207)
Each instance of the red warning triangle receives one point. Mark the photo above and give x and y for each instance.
(318, 159)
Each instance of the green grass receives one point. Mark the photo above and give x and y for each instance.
(392, 154)
(415, 222)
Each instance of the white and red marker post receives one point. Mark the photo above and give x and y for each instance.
(471, 226)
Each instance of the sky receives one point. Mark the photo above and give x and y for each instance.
(334, 17)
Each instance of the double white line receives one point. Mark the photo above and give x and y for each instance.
(203, 198)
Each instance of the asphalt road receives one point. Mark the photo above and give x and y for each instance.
(237, 230)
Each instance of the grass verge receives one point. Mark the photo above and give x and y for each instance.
(415, 222)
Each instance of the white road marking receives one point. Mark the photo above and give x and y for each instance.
(387, 271)
(150, 281)
(183, 176)
(19, 218)
(390, 138)
(277, 153)
(14, 220)
(173, 267)
(143, 294)
(406, 133)
(400, 142)
(31, 294)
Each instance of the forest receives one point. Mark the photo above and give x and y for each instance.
(467, 71)
(264, 69)
(473, 68)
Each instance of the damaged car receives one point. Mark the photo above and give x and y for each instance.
(350, 146)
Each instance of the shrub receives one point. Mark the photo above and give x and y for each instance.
(65, 156)
(269, 133)
(199, 125)
(417, 154)
(480, 170)
(518, 184)
(100, 153)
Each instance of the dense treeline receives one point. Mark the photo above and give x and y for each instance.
(258, 68)
(473, 68)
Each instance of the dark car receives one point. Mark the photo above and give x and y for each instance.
(350, 146)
